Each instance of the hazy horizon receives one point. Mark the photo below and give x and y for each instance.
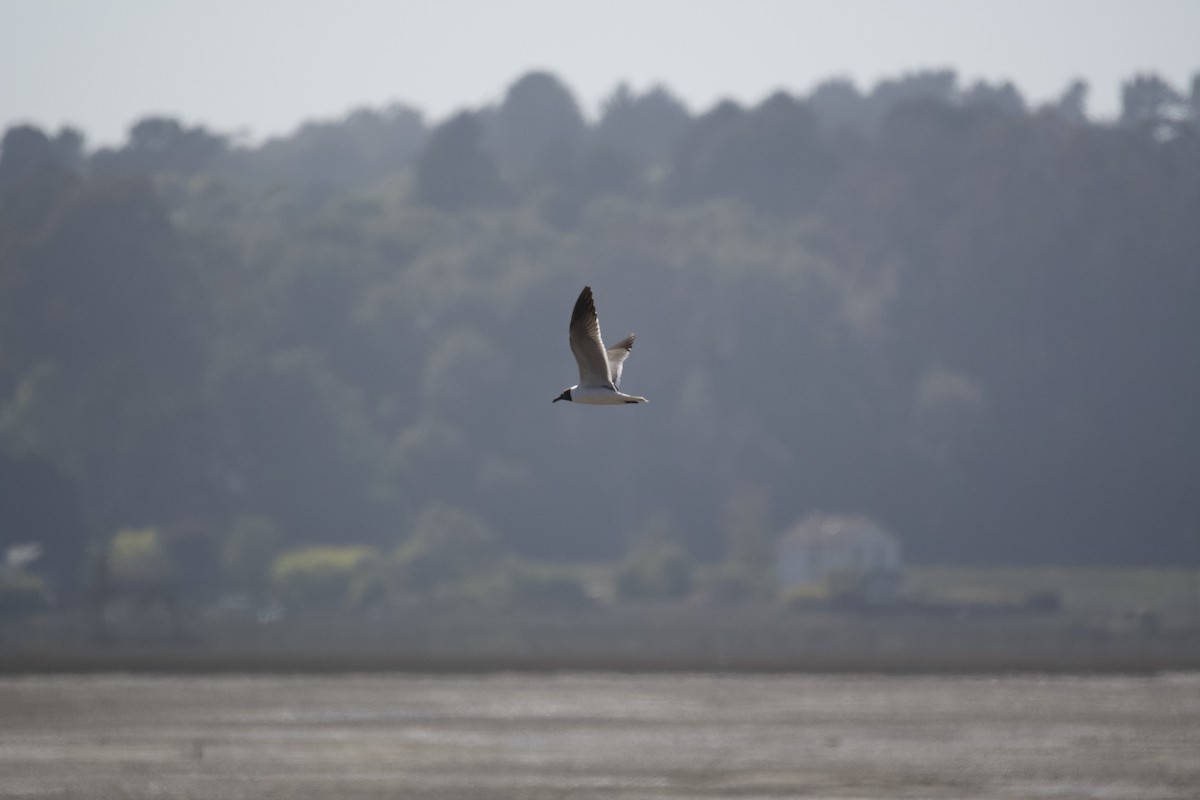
(261, 70)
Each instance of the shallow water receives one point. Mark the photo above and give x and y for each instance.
(600, 736)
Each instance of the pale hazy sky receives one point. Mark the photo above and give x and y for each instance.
(260, 67)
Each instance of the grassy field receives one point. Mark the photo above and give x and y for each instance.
(1080, 589)
(949, 619)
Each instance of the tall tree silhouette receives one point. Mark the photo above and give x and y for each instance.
(538, 128)
(455, 171)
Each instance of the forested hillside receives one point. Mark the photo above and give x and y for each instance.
(973, 319)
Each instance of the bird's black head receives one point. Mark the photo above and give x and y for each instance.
(566, 395)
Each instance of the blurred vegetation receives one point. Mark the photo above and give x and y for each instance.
(540, 587)
(970, 318)
(447, 545)
(22, 593)
(319, 577)
(250, 548)
(655, 570)
(1078, 588)
(139, 553)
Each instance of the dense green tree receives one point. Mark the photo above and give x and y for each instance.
(321, 576)
(447, 544)
(161, 144)
(1072, 105)
(939, 85)
(773, 157)
(750, 531)
(655, 570)
(42, 507)
(455, 171)
(102, 343)
(355, 151)
(644, 127)
(839, 106)
(250, 546)
(1004, 97)
(107, 275)
(35, 175)
(298, 444)
(1148, 99)
(537, 129)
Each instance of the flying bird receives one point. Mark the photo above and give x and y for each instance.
(599, 368)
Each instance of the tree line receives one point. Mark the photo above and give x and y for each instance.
(968, 317)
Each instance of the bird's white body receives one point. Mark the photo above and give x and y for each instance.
(599, 366)
(601, 396)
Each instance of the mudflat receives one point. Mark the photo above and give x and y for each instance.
(599, 735)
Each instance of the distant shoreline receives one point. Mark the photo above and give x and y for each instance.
(625, 639)
(1117, 660)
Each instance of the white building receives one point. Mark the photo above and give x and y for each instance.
(824, 544)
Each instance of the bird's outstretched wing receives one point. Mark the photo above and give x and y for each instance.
(616, 359)
(586, 343)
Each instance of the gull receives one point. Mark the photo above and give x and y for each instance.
(599, 368)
